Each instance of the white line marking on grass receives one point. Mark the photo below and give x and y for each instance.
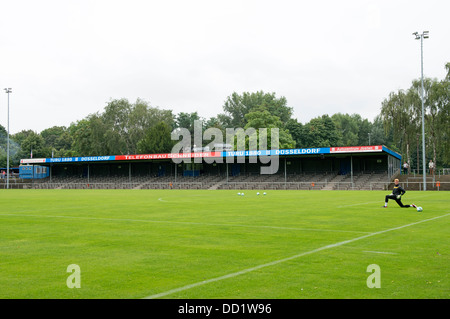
(177, 199)
(373, 202)
(235, 274)
(185, 223)
(359, 204)
(379, 252)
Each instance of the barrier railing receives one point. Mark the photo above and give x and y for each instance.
(437, 173)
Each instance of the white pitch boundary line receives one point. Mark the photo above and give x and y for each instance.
(184, 223)
(235, 274)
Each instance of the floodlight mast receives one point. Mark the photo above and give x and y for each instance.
(7, 91)
(420, 37)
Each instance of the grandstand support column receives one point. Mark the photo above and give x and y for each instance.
(8, 90)
(285, 174)
(227, 171)
(389, 167)
(88, 173)
(351, 169)
(129, 173)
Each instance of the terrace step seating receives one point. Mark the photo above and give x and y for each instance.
(361, 181)
(306, 181)
(414, 182)
(371, 181)
(124, 182)
(303, 181)
(14, 183)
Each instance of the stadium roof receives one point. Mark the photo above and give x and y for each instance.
(281, 152)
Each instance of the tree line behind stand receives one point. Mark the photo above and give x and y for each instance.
(124, 127)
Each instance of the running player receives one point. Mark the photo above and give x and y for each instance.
(396, 195)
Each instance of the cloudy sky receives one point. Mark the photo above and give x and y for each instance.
(66, 59)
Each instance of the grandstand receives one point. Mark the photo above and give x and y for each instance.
(307, 181)
(334, 168)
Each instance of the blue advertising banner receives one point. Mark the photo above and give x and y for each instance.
(294, 151)
(80, 159)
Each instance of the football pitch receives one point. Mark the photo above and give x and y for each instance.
(181, 244)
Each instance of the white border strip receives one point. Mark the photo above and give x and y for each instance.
(235, 274)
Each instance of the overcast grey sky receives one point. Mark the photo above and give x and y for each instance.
(66, 59)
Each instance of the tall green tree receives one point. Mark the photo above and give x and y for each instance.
(260, 118)
(402, 115)
(295, 128)
(364, 132)
(57, 141)
(3, 136)
(14, 148)
(89, 136)
(116, 118)
(3, 146)
(348, 127)
(236, 106)
(437, 119)
(399, 112)
(156, 140)
(440, 118)
(188, 121)
(118, 129)
(320, 132)
(31, 144)
(142, 117)
(378, 134)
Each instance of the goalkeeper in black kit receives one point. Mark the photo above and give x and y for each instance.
(396, 195)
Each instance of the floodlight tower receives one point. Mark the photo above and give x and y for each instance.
(7, 90)
(420, 37)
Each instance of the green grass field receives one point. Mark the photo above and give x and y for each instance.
(216, 244)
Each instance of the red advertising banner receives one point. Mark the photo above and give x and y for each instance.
(166, 156)
(32, 160)
(356, 149)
